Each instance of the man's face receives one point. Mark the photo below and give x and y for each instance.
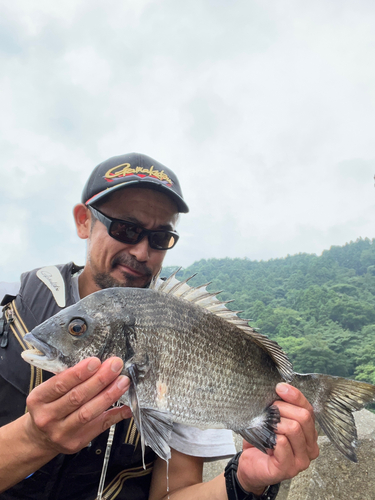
(112, 263)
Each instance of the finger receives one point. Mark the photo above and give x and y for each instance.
(106, 419)
(293, 431)
(293, 396)
(121, 412)
(305, 421)
(283, 459)
(69, 434)
(100, 403)
(301, 410)
(68, 440)
(62, 383)
(100, 383)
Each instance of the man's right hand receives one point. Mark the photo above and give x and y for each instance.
(69, 410)
(64, 414)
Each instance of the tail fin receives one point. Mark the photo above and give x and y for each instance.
(334, 400)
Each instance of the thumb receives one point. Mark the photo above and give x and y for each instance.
(246, 445)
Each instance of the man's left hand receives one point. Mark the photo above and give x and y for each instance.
(295, 448)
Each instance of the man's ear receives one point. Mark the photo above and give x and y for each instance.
(82, 219)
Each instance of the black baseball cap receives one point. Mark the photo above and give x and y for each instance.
(132, 170)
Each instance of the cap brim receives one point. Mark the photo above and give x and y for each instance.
(144, 183)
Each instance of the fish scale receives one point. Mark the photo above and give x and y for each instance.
(192, 361)
(165, 350)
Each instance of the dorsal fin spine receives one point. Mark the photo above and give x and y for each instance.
(200, 297)
(169, 279)
(205, 296)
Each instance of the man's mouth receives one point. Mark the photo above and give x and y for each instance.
(131, 267)
(130, 270)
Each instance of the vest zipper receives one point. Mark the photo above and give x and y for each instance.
(6, 321)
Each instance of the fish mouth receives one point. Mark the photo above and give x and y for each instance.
(43, 355)
(40, 347)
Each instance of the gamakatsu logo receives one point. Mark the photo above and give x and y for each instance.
(125, 169)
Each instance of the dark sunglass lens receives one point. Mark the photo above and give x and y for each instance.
(162, 240)
(126, 232)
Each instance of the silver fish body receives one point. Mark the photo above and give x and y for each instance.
(192, 366)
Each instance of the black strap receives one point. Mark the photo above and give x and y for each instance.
(7, 299)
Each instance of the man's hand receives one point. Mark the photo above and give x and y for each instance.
(296, 445)
(67, 411)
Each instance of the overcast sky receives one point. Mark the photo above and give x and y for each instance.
(264, 109)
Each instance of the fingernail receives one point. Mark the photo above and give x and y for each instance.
(122, 382)
(281, 387)
(116, 365)
(93, 365)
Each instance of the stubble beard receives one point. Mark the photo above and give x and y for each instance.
(106, 280)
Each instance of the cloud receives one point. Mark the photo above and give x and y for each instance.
(264, 110)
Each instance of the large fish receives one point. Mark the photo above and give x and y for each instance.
(192, 361)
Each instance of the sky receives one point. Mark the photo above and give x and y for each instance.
(264, 109)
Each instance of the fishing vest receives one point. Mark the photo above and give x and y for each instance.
(43, 293)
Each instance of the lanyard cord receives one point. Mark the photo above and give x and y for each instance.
(106, 459)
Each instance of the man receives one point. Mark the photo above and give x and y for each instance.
(129, 210)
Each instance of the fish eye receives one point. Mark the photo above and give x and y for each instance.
(77, 327)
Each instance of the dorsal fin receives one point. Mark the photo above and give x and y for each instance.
(207, 300)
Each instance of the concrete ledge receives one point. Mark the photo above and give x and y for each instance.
(332, 477)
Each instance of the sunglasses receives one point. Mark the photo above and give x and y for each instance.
(132, 233)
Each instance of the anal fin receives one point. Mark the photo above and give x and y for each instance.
(261, 431)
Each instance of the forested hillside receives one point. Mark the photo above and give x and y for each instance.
(321, 310)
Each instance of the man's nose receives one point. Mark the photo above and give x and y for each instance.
(141, 250)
